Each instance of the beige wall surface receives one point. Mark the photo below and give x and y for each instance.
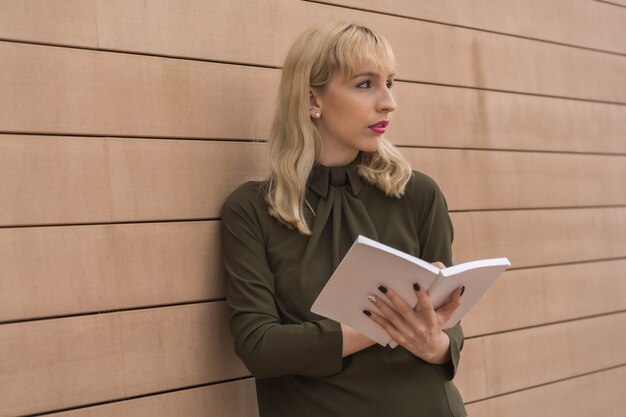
(124, 124)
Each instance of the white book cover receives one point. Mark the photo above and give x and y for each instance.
(368, 264)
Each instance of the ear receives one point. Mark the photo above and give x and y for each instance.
(314, 102)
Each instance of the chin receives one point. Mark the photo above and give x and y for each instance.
(371, 146)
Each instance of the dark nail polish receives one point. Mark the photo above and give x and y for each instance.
(416, 286)
(383, 289)
(462, 289)
(367, 313)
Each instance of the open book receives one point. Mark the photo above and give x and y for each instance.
(369, 264)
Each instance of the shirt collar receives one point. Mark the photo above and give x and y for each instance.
(323, 177)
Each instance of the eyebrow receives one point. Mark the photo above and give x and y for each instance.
(370, 74)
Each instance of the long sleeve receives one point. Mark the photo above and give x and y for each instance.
(268, 347)
(435, 236)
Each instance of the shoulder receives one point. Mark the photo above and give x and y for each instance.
(244, 212)
(249, 198)
(422, 186)
(424, 195)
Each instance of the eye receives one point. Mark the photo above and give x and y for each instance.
(390, 84)
(365, 84)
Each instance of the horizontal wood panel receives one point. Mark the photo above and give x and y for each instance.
(121, 179)
(540, 237)
(67, 270)
(197, 29)
(52, 271)
(110, 356)
(112, 179)
(99, 93)
(505, 362)
(478, 180)
(231, 399)
(67, 22)
(598, 394)
(532, 297)
(431, 115)
(82, 360)
(597, 26)
(104, 93)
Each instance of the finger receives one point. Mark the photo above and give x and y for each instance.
(389, 313)
(387, 326)
(446, 310)
(425, 305)
(403, 308)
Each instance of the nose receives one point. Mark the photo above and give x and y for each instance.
(386, 103)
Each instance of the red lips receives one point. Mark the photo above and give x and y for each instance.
(379, 127)
(381, 124)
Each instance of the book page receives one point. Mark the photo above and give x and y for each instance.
(359, 274)
(476, 276)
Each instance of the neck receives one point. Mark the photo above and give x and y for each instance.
(331, 159)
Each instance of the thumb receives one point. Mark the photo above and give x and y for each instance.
(439, 265)
(451, 305)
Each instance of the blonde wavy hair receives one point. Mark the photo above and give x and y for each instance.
(321, 52)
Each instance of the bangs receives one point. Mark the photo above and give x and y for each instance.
(367, 51)
(350, 51)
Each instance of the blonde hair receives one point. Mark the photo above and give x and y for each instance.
(295, 144)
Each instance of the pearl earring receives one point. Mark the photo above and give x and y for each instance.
(317, 115)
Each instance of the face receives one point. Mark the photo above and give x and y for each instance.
(354, 113)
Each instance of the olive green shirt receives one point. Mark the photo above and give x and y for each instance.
(274, 274)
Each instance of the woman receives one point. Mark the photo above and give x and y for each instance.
(333, 177)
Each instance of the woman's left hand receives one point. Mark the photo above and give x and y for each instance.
(420, 331)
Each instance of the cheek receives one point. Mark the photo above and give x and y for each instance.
(349, 113)
(340, 117)
(339, 107)
(346, 114)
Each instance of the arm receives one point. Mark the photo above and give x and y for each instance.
(436, 235)
(268, 347)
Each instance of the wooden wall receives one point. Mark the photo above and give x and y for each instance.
(125, 123)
